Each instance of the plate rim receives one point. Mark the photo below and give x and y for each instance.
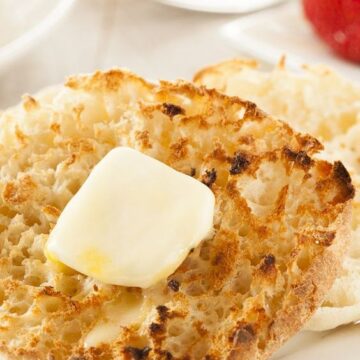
(254, 48)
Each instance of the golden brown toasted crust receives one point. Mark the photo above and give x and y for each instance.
(280, 223)
(231, 66)
(318, 101)
(314, 287)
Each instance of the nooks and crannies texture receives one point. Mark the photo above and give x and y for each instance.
(321, 103)
(281, 222)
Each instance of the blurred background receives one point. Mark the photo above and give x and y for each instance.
(43, 41)
(152, 39)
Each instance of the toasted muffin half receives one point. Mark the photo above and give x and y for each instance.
(282, 223)
(318, 101)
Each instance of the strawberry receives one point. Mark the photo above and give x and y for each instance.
(338, 23)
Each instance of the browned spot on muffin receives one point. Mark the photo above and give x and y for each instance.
(156, 328)
(246, 140)
(281, 201)
(166, 355)
(18, 192)
(219, 153)
(252, 111)
(49, 291)
(199, 327)
(174, 285)
(179, 149)
(70, 159)
(267, 263)
(300, 158)
(342, 176)
(209, 177)
(163, 312)
(172, 109)
(223, 255)
(309, 143)
(239, 163)
(137, 353)
(143, 138)
(243, 334)
(209, 357)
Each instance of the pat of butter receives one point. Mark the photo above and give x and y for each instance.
(133, 221)
(58, 265)
(129, 311)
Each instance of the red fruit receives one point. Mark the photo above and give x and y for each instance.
(338, 23)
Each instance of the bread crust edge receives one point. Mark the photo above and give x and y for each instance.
(314, 286)
(316, 282)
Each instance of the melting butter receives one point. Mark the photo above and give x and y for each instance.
(129, 311)
(133, 221)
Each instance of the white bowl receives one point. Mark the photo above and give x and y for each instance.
(28, 23)
(221, 6)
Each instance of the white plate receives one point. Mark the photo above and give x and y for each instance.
(339, 344)
(221, 6)
(28, 25)
(283, 30)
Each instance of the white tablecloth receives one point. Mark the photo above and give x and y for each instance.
(151, 39)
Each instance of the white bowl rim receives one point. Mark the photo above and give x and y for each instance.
(221, 6)
(18, 46)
